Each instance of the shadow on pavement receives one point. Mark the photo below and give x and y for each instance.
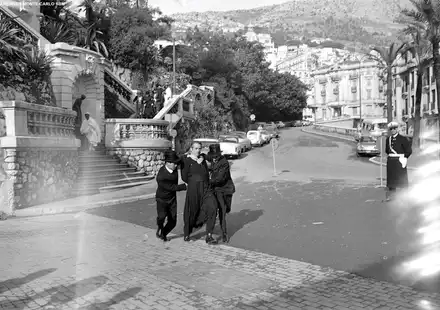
(118, 298)
(60, 294)
(17, 282)
(235, 222)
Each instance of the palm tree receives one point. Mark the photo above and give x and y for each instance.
(425, 16)
(421, 52)
(388, 56)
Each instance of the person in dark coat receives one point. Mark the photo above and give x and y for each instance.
(399, 150)
(200, 203)
(167, 185)
(78, 119)
(222, 184)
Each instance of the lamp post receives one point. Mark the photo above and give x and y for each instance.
(173, 90)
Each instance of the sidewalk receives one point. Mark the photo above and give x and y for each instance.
(88, 262)
(82, 203)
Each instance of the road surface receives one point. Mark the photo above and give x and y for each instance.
(322, 208)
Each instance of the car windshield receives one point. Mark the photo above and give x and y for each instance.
(367, 139)
(252, 133)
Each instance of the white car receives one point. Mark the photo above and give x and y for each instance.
(243, 139)
(206, 142)
(266, 136)
(255, 137)
(230, 147)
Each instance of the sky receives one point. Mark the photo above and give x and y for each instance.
(183, 6)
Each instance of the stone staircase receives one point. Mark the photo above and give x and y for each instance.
(100, 172)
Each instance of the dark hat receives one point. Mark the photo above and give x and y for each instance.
(214, 150)
(171, 157)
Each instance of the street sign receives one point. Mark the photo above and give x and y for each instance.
(252, 117)
(173, 133)
(275, 144)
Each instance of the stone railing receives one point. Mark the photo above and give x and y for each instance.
(32, 125)
(171, 103)
(40, 154)
(335, 129)
(125, 93)
(26, 32)
(136, 133)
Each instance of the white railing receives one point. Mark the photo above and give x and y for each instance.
(136, 132)
(125, 94)
(335, 129)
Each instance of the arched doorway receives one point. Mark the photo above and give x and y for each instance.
(85, 84)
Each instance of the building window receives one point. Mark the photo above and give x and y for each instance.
(368, 94)
(368, 82)
(433, 99)
(355, 111)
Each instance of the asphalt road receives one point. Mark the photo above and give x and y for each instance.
(322, 208)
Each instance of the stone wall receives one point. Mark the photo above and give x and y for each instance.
(148, 161)
(40, 175)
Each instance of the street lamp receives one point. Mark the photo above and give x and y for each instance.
(379, 135)
(173, 90)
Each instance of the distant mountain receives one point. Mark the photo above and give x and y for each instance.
(363, 21)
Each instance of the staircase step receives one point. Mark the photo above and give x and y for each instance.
(131, 180)
(114, 176)
(102, 166)
(98, 160)
(92, 155)
(105, 172)
(113, 188)
(84, 192)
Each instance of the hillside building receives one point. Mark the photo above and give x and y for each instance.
(337, 92)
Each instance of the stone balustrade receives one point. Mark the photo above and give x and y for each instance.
(335, 129)
(140, 143)
(137, 133)
(33, 125)
(123, 90)
(39, 154)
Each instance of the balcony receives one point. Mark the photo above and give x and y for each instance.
(336, 91)
(381, 89)
(323, 93)
(354, 89)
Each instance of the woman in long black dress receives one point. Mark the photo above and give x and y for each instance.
(200, 203)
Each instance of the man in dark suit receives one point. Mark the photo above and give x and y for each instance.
(399, 150)
(166, 201)
(222, 184)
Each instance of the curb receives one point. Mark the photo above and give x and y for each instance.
(28, 212)
(326, 135)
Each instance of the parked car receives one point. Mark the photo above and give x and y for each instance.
(243, 139)
(367, 145)
(230, 146)
(306, 123)
(266, 136)
(256, 137)
(229, 135)
(273, 132)
(206, 142)
(297, 123)
(280, 124)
